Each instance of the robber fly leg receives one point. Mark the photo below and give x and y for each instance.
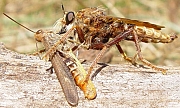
(98, 57)
(117, 39)
(125, 56)
(141, 57)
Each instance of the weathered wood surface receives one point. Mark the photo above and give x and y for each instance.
(24, 82)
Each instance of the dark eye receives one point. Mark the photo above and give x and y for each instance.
(69, 17)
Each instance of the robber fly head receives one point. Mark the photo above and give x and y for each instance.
(64, 24)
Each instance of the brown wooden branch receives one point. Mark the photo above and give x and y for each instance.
(26, 83)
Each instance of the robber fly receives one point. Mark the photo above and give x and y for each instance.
(93, 30)
(67, 67)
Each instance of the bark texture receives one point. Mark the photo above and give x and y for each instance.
(24, 82)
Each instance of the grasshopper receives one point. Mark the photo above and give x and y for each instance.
(67, 76)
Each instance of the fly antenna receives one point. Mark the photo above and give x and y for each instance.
(18, 23)
(62, 6)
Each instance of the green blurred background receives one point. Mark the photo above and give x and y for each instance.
(37, 14)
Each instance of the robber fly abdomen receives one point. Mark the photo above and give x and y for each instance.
(151, 35)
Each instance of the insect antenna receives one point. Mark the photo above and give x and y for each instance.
(23, 27)
(62, 6)
(19, 23)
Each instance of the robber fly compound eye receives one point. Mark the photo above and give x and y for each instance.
(69, 17)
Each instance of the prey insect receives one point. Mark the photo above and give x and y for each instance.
(62, 71)
(93, 30)
(65, 72)
(76, 68)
